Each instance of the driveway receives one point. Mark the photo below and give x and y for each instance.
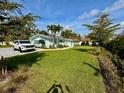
(9, 52)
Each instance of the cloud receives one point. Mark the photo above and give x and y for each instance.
(67, 27)
(122, 24)
(93, 12)
(115, 6)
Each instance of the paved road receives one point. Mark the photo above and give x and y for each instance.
(8, 52)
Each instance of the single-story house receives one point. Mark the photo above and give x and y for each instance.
(49, 41)
(2, 43)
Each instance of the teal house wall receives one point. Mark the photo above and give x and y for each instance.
(47, 41)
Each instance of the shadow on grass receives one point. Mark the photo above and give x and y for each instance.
(68, 89)
(97, 71)
(27, 59)
(55, 89)
(82, 50)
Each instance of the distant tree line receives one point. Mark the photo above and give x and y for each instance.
(57, 29)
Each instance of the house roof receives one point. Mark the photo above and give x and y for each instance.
(49, 37)
(38, 35)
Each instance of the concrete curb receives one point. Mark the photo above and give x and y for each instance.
(53, 49)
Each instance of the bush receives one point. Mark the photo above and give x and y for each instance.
(116, 46)
(85, 43)
(62, 46)
(9, 89)
(120, 68)
(109, 73)
(112, 69)
(20, 76)
(51, 46)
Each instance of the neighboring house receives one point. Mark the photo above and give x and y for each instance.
(47, 41)
(2, 43)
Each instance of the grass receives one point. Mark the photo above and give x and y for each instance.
(5, 46)
(75, 70)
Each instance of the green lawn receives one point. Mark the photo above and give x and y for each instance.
(74, 69)
(5, 46)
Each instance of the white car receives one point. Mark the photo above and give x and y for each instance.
(23, 45)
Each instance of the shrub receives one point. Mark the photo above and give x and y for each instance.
(112, 69)
(120, 68)
(51, 46)
(60, 46)
(22, 68)
(9, 89)
(116, 46)
(20, 76)
(109, 73)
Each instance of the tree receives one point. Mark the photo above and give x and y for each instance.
(54, 30)
(116, 46)
(43, 32)
(102, 29)
(7, 7)
(51, 29)
(59, 28)
(7, 10)
(24, 26)
(67, 33)
(15, 26)
(21, 27)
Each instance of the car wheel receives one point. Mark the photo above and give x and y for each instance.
(20, 49)
(14, 49)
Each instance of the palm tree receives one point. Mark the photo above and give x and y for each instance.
(58, 32)
(59, 28)
(51, 30)
(54, 30)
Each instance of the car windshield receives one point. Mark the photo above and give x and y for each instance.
(24, 42)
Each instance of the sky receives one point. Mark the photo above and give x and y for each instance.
(72, 14)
